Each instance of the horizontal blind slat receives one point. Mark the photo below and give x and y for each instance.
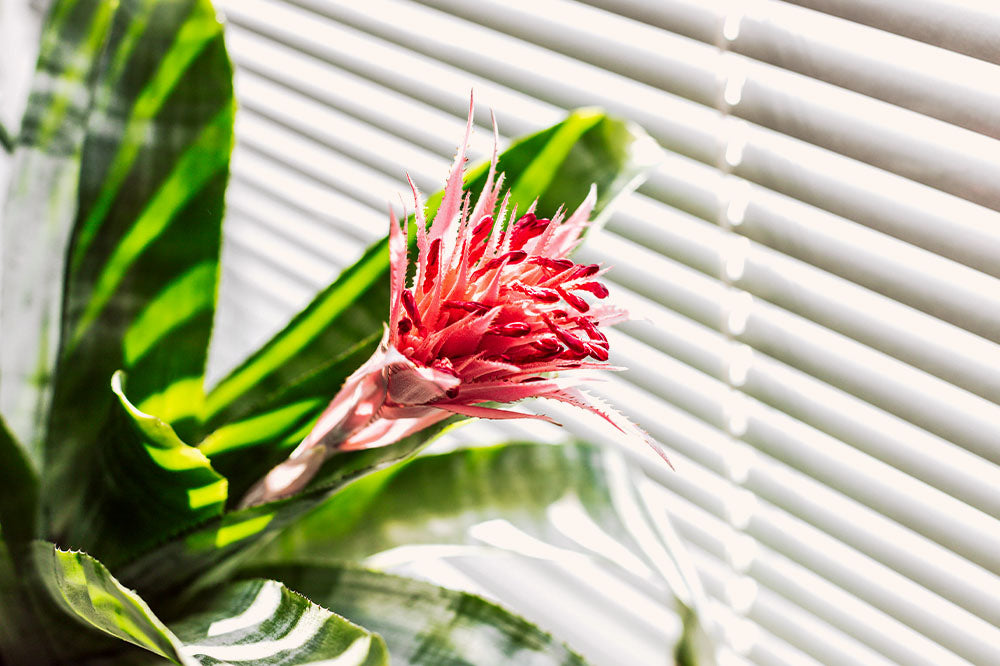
(874, 132)
(936, 567)
(775, 569)
(925, 342)
(693, 492)
(341, 133)
(698, 19)
(925, 509)
(679, 124)
(921, 399)
(678, 287)
(705, 537)
(938, 462)
(920, 76)
(308, 167)
(837, 647)
(919, 217)
(325, 242)
(910, 74)
(935, 405)
(883, 632)
(854, 571)
(868, 554)
(391, 112)
(940, 287)
(291, 259)
(432, 82)
(663, 60)
(916, 452)
(964, 26)
(925, 150)
(331, 216)
(939, 222)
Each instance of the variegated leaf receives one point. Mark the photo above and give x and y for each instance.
(247, 623)
(146, 204)
(424, 624)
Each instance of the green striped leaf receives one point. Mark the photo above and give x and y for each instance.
(204, 556)
(33, 628)
(84, 588)
(152, 486)
(142, 268)
(252, 622)
(6, 140)
(463, 497)
(441, 499)
(40, 209)
(424, 624)
(563, 502)
(263, 622)
(282, 388)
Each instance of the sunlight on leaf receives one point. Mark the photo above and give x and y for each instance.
(423, 623)
(251, 622)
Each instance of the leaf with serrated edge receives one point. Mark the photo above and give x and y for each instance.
(424, 624)
(250, 622)
(151, 486)
(191, 558)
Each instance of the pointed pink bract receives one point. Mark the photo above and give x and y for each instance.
(495, 312)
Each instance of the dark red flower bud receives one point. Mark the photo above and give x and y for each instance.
(482, 229)
(511, 258)
(557, 265)
(512, 330)
(526, 228)
(474, 307)
(583, 271)
(547, 343)
(433, 259)
(596, 288)
(575, 301)
(570, 340)
(410, 305)
(542, 294)
(598, 352)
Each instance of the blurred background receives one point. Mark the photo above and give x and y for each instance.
(814, 272)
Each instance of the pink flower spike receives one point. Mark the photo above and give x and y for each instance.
(492, 314)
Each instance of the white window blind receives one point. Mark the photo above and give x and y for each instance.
(815, 268)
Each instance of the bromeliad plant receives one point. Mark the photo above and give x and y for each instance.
(493, 314)
(115, 456)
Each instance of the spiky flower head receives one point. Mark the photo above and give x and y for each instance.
(495, 312)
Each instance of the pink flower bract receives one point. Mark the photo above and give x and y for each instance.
(495, 312)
